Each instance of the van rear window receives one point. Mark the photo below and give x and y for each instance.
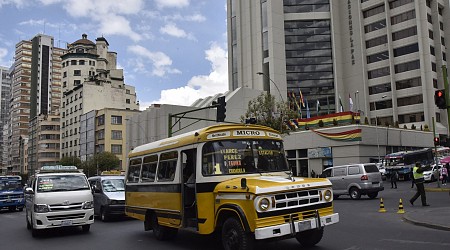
(372, 168)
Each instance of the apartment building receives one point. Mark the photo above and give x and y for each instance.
(385, 55)
(5, 91)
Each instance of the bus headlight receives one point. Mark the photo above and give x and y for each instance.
(41, 208)
(88, 205)
(327, 195)
(264, 204)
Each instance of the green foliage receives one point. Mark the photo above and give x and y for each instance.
(426, 128)
(269, 113)
(413, 127)
(335, 122)
(70, 161)
(396, 124)
(321, 123)
(405, 127)
(101, 162)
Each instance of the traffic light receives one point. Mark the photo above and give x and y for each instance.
(439, 99)
(221, 109)
(436, 141)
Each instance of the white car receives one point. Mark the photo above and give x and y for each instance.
(382, 170)
(433, 174)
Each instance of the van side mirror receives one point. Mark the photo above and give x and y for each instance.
(29, 190)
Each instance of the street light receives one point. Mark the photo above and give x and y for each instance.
(281, 96)
(376, 127)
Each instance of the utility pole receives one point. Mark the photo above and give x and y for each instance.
(435, 151)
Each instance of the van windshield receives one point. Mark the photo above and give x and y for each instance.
(243, 157)
(113, 185)
(61, 183)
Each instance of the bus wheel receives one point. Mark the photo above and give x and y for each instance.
(310, 238)
(161, 232)
(234, 236)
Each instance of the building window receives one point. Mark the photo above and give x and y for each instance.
(433, 66)
(408, 83)
(376, 41)
(375, 26)
(430, 20)
(410, 100)
(428, 2)
(101, 134)
(116, 134)
(440, 10)
(435, 83)
(116, 119)
(381, 105)
(305, 6)
(116, 149)
(73, 62)
(378, 57)
(378, 73)
(412, 48)
(81, 62)
(373, 11)
(403, 17)
(442, 41)
(430, 34)
(444, 56)
(101, 120)
(76, 82)
(64, 74)
(398, 3)
(64, 84)
(441, 25)
(404, 33)
(432, 50)
(77, 72)
(408, 66)
(414, 117)
(373, 90)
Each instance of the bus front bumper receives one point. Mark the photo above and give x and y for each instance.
(294, 227)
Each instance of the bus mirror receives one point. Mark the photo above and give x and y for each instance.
(243, 183)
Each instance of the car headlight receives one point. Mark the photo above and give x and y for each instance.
(327, 195)
(88, 205)
(264, 204)
(41, 208)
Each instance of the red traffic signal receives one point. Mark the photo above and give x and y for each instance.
(436, 141)
(439, 99)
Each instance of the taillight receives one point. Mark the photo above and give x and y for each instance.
(364, 178)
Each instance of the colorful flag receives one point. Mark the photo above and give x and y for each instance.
(295, 101)
(341, 108)
(308, 114)
(301, 98)
(351, 102)
(318, 106)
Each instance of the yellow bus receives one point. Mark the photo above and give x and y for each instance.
(228, 178)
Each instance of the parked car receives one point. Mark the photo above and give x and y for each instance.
(355, 180)
(382, 170)
(433, 174)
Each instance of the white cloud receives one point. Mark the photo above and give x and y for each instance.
(161, 63)
(191, 18)
(171, 29)
(3, 55)
(172, 3)
(200, 86)
(109, 16)
(17, 3)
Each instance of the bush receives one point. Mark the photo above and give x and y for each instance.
(335, 122)
(396, 124)
(413, 127)
(405, 127)
(321, 123)
(426, 128)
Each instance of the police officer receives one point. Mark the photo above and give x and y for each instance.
(419, 180)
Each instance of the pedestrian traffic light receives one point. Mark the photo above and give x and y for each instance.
(436, 141)
(439, 99)
(221, 109)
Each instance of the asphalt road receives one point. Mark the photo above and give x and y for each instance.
(361, 226)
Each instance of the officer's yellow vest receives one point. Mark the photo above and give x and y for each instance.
(417, 175)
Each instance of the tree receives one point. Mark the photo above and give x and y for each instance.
(103, 161)
(70, 161)
(269, 113)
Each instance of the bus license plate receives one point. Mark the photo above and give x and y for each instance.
(304, 225)
(65, 223)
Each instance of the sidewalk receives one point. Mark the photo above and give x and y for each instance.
(437, 218)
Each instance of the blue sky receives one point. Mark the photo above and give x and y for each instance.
(172, 51)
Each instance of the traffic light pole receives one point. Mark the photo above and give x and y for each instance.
(435, 150)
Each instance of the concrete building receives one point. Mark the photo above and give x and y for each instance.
(105, 131)
(91, 81)
(5, 91)
(35, 90)
(385, 55)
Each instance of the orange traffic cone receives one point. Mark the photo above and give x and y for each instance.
(381, 210)
(400, 208)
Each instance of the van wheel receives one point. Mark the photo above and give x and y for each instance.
(86, 228)
(103, 215)
(310, 238)
(234, 236)
(373, 195)
(162, 232)
(355, 194)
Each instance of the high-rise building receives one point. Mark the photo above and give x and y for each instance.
(35, 90)
(91, 81)
(5, 90)
(386, 56)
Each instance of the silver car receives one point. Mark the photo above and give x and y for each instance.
(355, 180)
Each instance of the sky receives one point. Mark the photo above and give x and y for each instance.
(171, 51)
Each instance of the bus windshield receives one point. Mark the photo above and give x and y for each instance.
(243, 157)
(10, 185)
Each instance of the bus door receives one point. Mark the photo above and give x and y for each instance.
(188, 160)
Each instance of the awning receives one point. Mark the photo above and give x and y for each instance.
(445, 160)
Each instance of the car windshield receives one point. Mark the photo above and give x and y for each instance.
(7, 185)
(243, 157)
(113, 185)
(56, 183)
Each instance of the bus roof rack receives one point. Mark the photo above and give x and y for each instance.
(113, 172)
(58, 168)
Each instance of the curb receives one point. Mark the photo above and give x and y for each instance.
(437, 189)
(424, 224)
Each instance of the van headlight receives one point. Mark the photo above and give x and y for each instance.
(263, 204)
(88, 205)
(327, 195)
(41, 208)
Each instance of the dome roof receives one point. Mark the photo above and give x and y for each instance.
(83, 40)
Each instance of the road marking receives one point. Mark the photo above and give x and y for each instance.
(417, 242)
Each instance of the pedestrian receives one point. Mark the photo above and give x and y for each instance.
(419, 180)
(447, 166)
(394, 178)
(411, 176)
(443, 175)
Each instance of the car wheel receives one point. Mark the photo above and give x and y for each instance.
(373, 195)
(86, 228)
(355, 194)
(234, 236)
(34, 231)
(103, 215)
(310, 238)
(161, 232)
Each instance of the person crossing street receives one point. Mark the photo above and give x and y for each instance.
(419, 180)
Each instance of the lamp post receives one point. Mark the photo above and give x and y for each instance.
(281, 96)
(376, 127)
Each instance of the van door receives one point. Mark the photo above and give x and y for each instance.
(338, 179)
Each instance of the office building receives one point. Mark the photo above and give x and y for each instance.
(387, 56)
(5, 91)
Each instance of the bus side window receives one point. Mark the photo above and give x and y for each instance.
(167, 166)
(134, 170)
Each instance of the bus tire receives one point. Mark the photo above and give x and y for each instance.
(162, 233)
(234, 236)
(310, 238)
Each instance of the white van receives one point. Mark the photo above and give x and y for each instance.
(109, 195)
(58, 196)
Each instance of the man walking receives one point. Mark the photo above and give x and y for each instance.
(419, 180)
(394, 178)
